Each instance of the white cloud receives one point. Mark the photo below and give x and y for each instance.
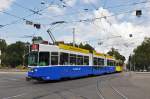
(70, 2)
(106, 28)
(89, 1)
(5, 4)
(55, 9)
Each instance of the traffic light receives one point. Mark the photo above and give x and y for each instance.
(138, 13)
(37, 26)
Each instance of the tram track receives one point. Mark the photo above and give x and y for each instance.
(101, 89)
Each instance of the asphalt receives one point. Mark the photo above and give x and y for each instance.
(113, 86)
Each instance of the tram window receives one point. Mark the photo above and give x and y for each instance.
(103, 62)
(43, 58)
(112, 63)
(33, 59)
(95, 61)
(86, 60)
(72, 59)
(54, 58)
(100, 61)
(64, 58)
(79, 60)
(108, 62)
(54, 53)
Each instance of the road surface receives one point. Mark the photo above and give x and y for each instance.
(114, 86)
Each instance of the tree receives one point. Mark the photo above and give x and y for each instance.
(141, 57)
(3, 47)
(87, 47)
(37, 39)
(116, 54)
(15, 54)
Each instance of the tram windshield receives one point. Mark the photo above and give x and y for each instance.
(33, 59)
(43, 58)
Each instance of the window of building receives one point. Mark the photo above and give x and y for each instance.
(54, 58)
(64, 58)
(72, 59)
(86, 60)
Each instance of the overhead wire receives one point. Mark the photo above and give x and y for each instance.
(61, 15)
(89, 10)
(131, 4)
(31, 10)
(93, 5)
(97, 18)
(22, 18)
(105, 2)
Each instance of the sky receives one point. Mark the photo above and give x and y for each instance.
(102, 23)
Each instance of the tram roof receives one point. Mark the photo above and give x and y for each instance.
(103, 55)
(71, 48)
(99, 54)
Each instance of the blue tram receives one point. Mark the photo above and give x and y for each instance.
(54, 62)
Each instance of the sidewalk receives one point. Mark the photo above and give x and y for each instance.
(13, 70)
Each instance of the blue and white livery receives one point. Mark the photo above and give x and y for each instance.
(54, 62)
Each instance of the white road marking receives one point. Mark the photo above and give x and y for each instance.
(14, 96)
(1, 72)
(13, 79)
(7, 79)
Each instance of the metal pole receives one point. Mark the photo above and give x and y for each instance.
(74, 37)
(130, 63)
(134, 65)
(0, 57)
(29, 48)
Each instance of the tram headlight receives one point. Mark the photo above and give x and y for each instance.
(35, 70)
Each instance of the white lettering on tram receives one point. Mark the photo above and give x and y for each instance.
(76, 69)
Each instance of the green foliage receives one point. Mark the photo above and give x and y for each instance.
(13, 54)
(38, 39)
(16, 50)
(86, 46)
(141, 56)
(3, 47)
(71, 44)
(116, 54)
